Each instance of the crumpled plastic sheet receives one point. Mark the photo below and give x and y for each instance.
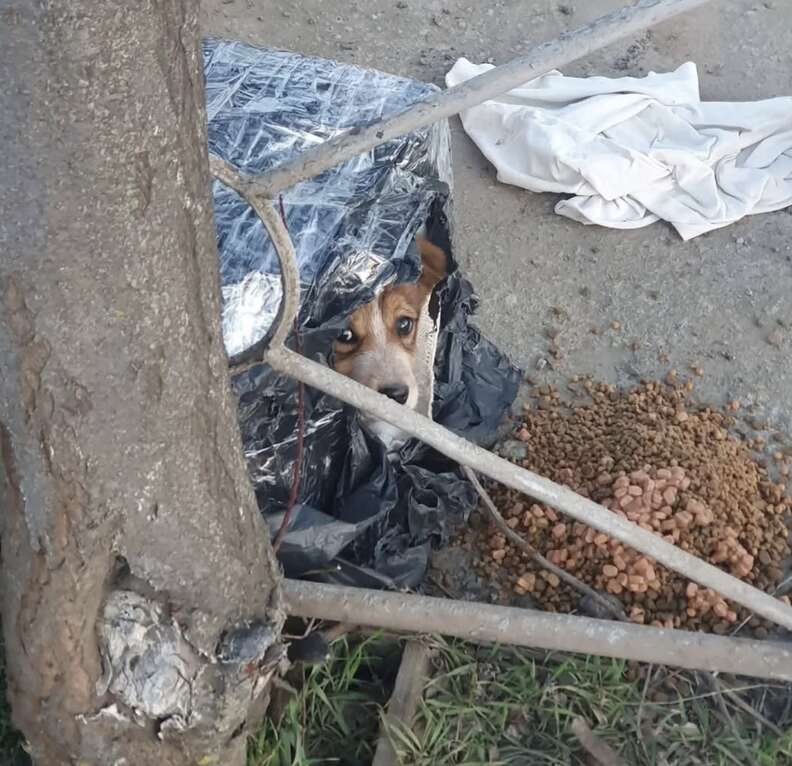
(149, 665)
(152, 671)
(361, 518)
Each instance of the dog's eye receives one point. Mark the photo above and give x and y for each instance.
(347, 336)
(404, 326)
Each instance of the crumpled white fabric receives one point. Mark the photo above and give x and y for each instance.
(635, 150)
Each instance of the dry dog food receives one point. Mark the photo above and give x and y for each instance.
(652, 456)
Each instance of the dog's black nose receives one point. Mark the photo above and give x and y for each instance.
(398, 393)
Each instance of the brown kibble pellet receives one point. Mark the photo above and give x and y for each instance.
(705, 517)
(637, 614)
(559, 531)
(656, 457)
(527, 582)
(684, 519)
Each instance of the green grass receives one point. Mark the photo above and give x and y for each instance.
(334, 718)
(502, 706)
(11, 751)
(505, 706)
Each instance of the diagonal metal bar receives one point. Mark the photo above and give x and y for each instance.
(550, 55)
(541, 489)
(472, 621)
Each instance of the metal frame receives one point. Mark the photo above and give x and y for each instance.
(487, 623)
(258, 192)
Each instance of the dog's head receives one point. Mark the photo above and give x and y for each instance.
(378, 346)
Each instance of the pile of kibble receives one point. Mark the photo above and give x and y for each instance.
(654, 457)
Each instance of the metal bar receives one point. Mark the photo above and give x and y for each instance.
(407, 691)
(541, 489)
(550, 55)
(473, 621)
(494, 514)
(276, 228)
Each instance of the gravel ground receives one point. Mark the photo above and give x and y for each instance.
(722, 302)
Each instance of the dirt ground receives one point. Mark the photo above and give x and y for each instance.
(722, 302)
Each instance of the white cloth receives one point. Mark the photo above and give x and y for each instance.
(634, 150)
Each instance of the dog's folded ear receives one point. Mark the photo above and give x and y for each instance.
(434, 263)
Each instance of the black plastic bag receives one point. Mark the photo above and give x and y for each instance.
(362, 518)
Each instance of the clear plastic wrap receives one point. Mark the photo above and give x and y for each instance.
(362, 518)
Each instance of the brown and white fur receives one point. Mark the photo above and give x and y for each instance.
(378, 347)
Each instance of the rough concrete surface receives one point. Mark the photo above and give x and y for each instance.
(722, 302)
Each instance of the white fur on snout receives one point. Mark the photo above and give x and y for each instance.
(385, 364)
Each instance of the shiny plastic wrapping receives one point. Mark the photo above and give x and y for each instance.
(361, 518)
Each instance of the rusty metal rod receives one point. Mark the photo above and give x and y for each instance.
(550, 55)
(408, 613)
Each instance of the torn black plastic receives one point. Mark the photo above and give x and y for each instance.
(362, 518)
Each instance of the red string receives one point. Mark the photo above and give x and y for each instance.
(296, 472)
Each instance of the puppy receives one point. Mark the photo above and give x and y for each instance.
(378, 346)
